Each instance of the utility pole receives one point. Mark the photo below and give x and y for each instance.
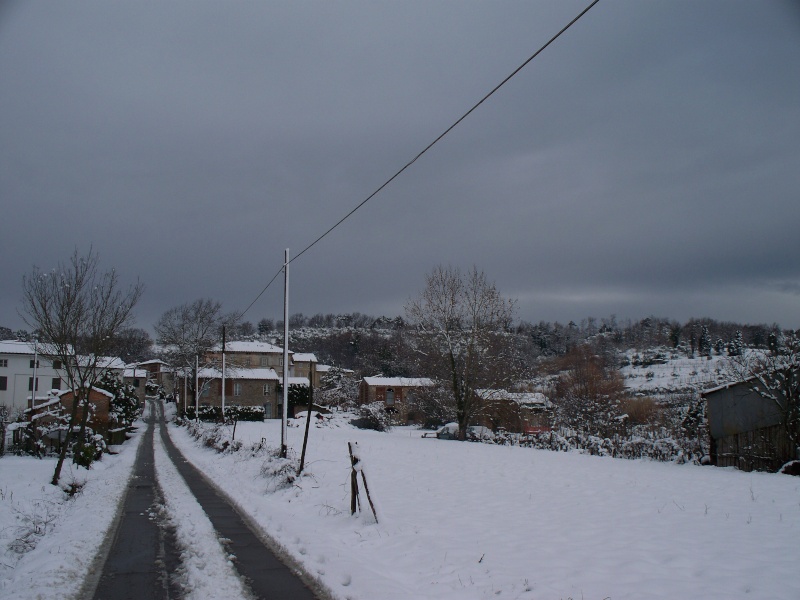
(285, 411)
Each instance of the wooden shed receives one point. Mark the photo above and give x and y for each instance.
(746, 428)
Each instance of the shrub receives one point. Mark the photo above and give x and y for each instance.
(373, 416)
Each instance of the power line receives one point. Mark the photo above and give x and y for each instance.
(428, 147)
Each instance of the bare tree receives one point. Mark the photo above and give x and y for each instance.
(588, 393)
(76, 312)
(189, 331)
(463, 320)
(775, 376)
(132, 344)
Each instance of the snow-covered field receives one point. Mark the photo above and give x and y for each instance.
(48, 540)
(678, 373)
(457, 520)
(465, 520)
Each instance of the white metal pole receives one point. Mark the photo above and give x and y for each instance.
(35, 361)
(223, 373)
(196, 387)
(285, 411)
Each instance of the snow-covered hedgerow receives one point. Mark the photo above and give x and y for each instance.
(658, 446)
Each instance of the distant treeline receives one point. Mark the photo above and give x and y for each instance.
(386, 345)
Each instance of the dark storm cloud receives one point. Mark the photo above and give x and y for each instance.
(644, 163)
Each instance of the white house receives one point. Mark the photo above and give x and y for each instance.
(17, 360)
(17, 372)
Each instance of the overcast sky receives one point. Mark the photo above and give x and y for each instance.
(647, 163)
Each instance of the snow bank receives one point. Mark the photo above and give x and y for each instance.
(58, 561)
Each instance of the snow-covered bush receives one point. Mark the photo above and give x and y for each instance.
(373, 416)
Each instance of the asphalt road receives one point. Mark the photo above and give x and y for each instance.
(143, 556)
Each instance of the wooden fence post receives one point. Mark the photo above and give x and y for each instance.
(356, 466)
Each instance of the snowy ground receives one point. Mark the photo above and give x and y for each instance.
(464, 520)
(457, 520)
(48, 540)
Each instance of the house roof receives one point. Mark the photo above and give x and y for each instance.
(304, 357)
(239, 373)
(301, 381)
(94, 389)
(399, 381)
(326, 368)
(15, 347)
(521, 398)
(254, 347)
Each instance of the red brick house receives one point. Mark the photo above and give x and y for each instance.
(390, 390)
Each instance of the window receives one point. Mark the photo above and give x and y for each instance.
(56, 364)
(32, 362)
(204, 390)
(237, 389)
(30, 383)
(390, 396)
(266, 389)
(3, 362)
(136, 383)
(3, 383)
(263, 361)
(56, 383)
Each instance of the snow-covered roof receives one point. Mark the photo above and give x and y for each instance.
(15, 347)
(399, 381)
(155, 361)
(254, 347)
(304, 357)
(725, 386)
(521, 398)
(326, 368)
(50, 402)
(96, 389)
(110, 362)
(302, 381)
(239, 373)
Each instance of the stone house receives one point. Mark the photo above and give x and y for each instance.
(243, 387)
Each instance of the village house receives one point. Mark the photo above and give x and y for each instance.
(18, 361)
(24, 372)
(304, 365)
(249, 355)
(251, 387)
(158, 372)
(44, 414)
(254, 376)
(396, 393)
(137, 378)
